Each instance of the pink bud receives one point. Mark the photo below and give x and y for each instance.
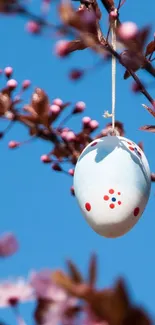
(127, 30)
(86, 120)
(93, 124)
(12, 83)
(9, 115)
(71, 172)
(70, 136)
(8, 245)
(26, 84)
(135, 87)
(13, 144)
(72, 190)
(79, 107)
(56, 167)
(64, 132)
(76, 74)
(8, 71)
(61, 48)
(45, 159)
(55, 109)
(58, 102)
(33, 27)
(113, 14)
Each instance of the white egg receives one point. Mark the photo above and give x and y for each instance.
(112, 183)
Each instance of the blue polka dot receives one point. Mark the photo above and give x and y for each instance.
(113, 199)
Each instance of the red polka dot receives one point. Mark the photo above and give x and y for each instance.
(111, 191)
(112, 206)
(94, 144)
(119, 193)
(119, 202)
(131, 148)
(106, 197)
(136, 212)
(129, 142)
(88, 206)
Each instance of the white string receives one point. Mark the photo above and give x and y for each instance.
(113, 40)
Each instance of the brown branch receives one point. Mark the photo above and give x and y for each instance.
(142, 88)
(109, 5)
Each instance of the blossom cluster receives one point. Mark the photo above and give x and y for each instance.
(67, 298)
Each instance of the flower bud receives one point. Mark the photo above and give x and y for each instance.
(79, 107)
(13, 144)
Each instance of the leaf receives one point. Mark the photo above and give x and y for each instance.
(76, 45)
(40, 102)
(62, 280)
(137, 316)
(150, 48)
(68, 15)
(5, 103)
(92, 273)
(29, 120)
(149, 128)
(74, 273)
(77, 290)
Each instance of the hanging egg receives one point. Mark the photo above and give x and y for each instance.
(112, 183)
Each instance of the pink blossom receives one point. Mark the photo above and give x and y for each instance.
(58, 102)
(12, 83)
(33, 27)
(8, 245)
(8, 71)
(12, 293)
(55, 109)
(127, 30)
(44, 287)
(56, 313)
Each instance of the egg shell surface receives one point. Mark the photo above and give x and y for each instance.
(112, 183)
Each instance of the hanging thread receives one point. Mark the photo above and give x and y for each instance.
(113, 69)
(113, 37)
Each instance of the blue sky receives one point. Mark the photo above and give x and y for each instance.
(35, 202)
